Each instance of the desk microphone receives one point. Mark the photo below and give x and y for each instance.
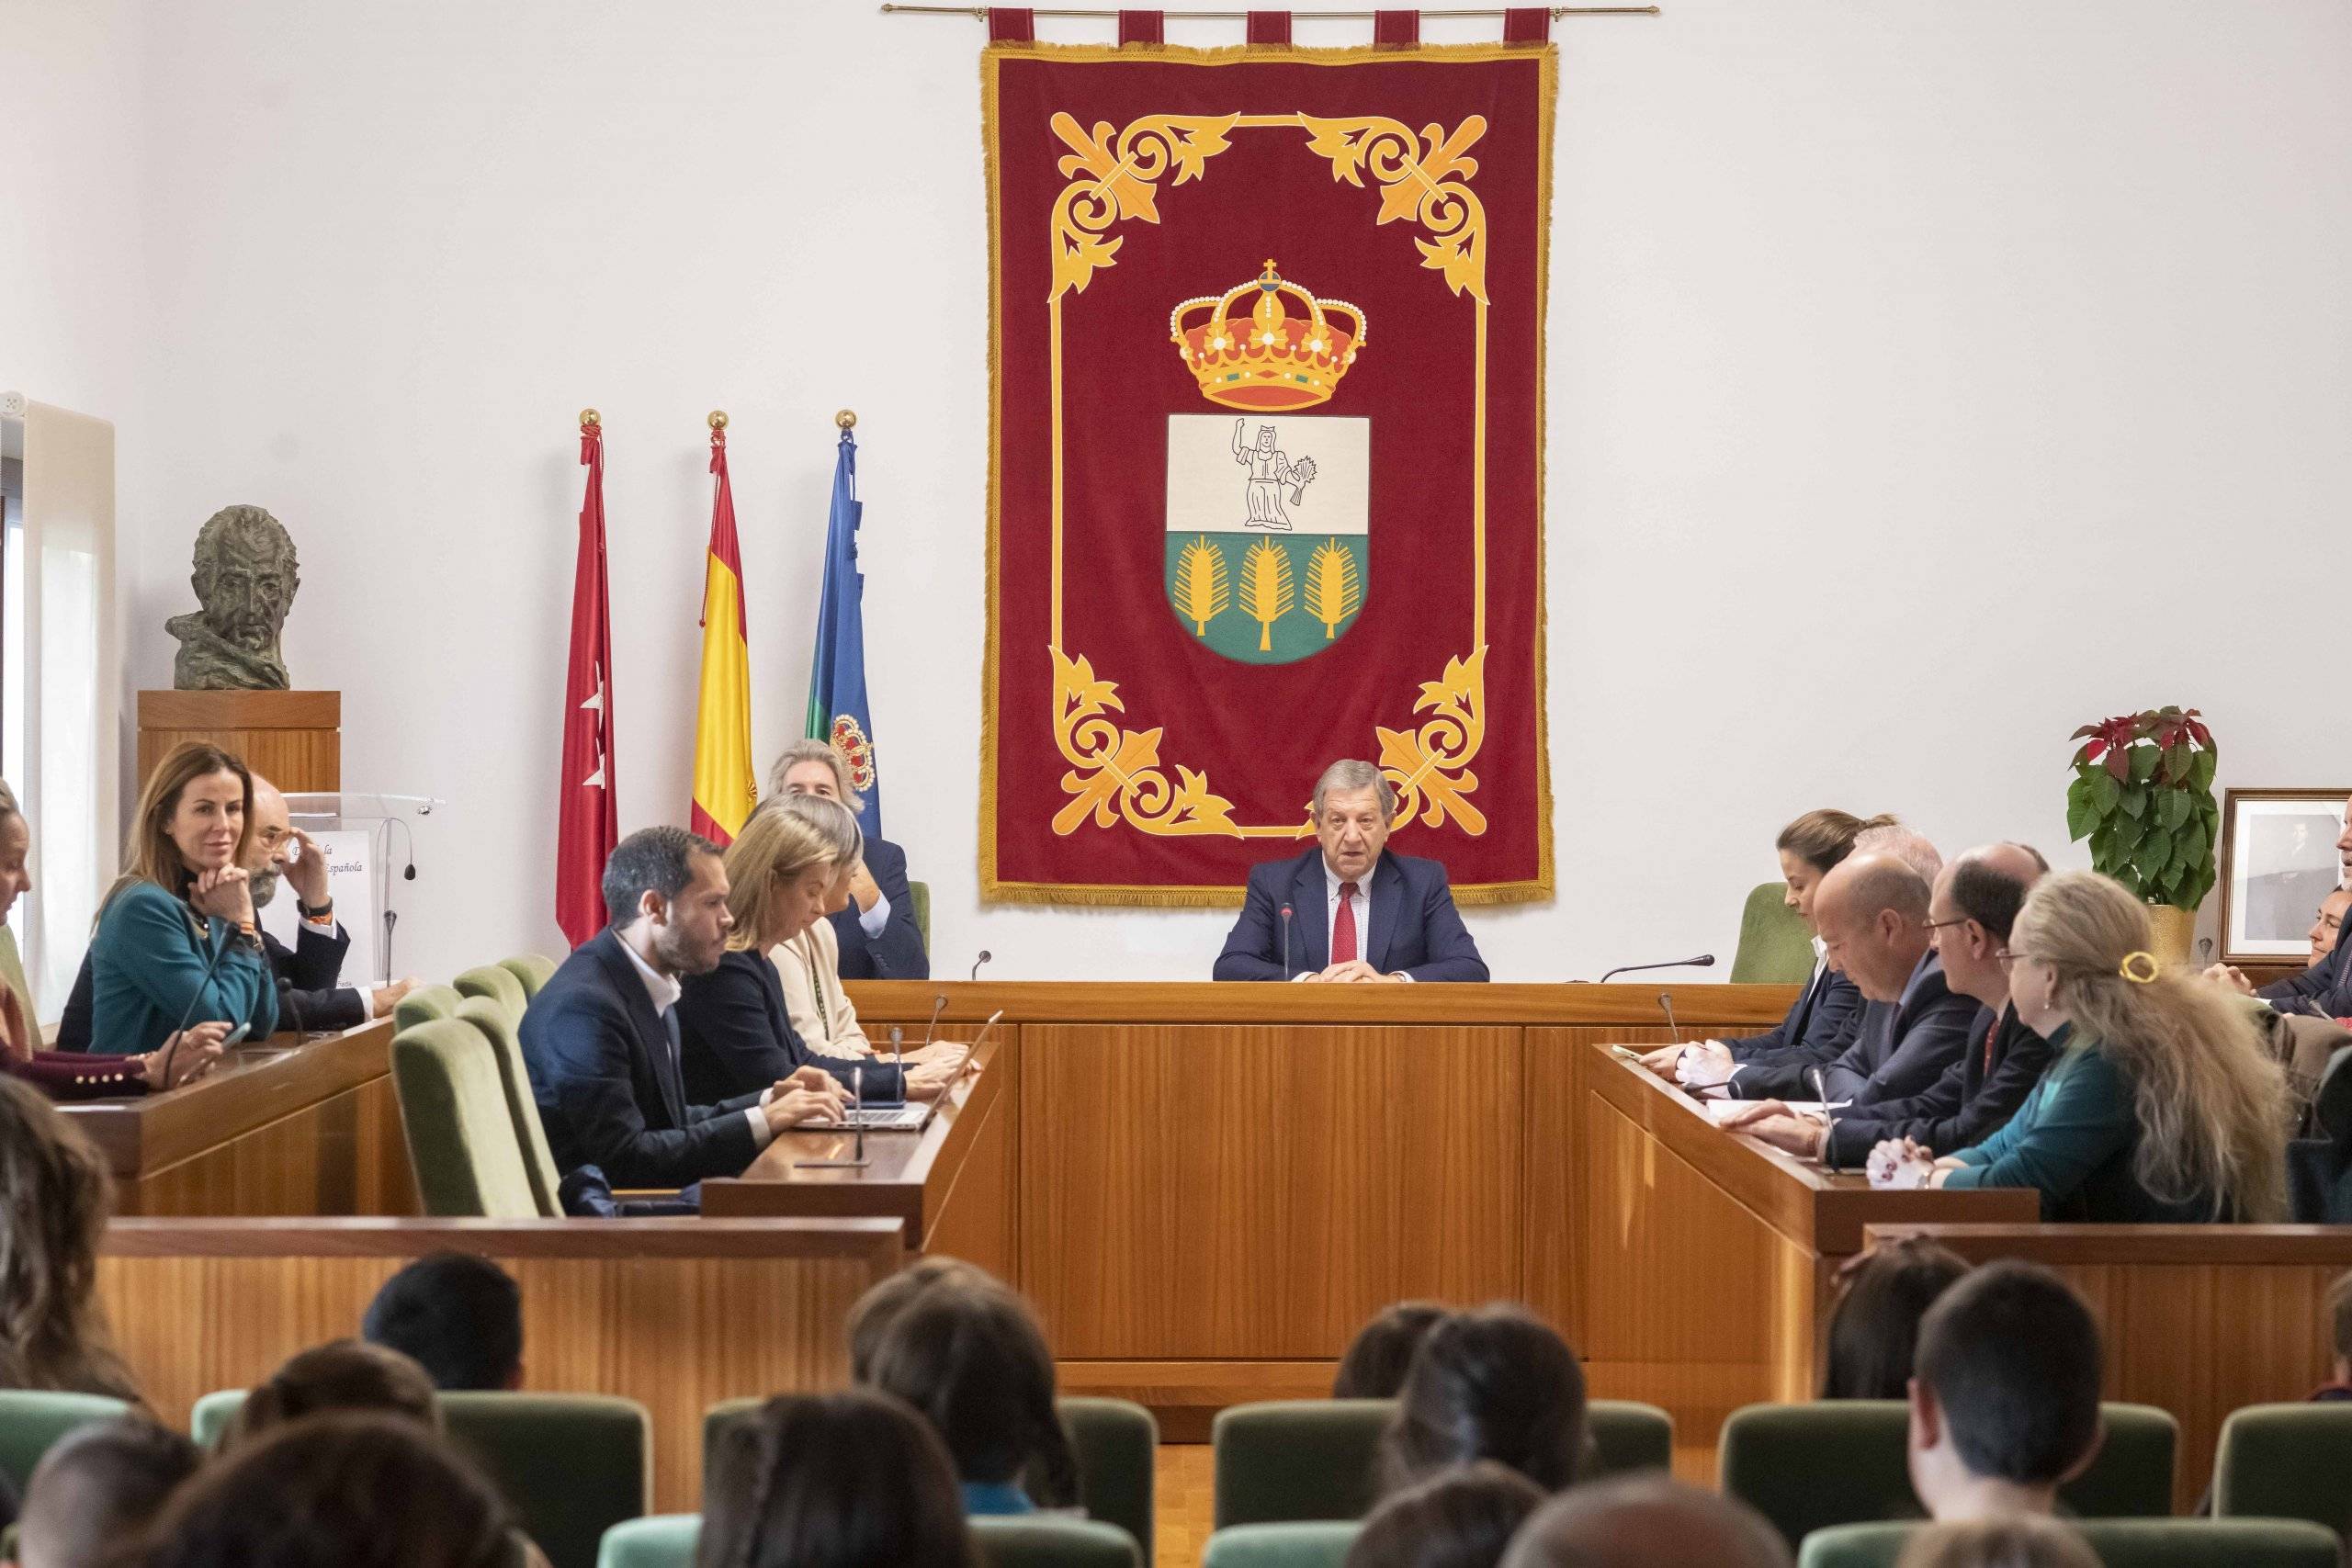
(1704, 961)
(1829, 1121)
(983, 958)
(1287, 969)
(938, 1004)
(899, 1056)
(181, 1027)
(1665, 1001)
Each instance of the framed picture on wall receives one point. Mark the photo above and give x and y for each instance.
(2279, 861)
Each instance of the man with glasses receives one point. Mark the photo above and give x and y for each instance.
(1975, 902)
(1872, 912)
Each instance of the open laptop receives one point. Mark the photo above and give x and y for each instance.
(913, 1115)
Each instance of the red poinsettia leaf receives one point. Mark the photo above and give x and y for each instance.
(2120, 765)
(2087, 729)
(2091, 752)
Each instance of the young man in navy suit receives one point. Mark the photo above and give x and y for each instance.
(1357, 912)
(601, 1039)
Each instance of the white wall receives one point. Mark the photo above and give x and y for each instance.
(1926, 378)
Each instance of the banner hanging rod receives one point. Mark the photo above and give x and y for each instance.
(980, 13)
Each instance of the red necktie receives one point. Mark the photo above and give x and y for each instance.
(1343, 930)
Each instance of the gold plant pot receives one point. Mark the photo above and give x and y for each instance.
(2176, 932)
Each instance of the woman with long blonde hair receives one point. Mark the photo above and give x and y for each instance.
(2161, 1103)
(739, 1034)
(54, 1197)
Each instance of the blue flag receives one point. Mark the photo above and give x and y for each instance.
(838, 711)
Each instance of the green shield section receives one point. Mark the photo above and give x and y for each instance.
(1268, 598)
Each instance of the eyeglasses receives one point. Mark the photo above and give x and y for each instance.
(1939, 925)
(2007, 959)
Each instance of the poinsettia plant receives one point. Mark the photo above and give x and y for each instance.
(2143, 795)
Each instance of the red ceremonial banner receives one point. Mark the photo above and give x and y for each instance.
(1267, 471)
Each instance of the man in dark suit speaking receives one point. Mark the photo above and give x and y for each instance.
(1356, 911)
(600, 1038)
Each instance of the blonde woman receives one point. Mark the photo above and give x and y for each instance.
(740, 1025)
(2161, 1104)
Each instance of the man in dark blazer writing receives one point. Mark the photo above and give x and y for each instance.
(1357, 911)
(600, 1038)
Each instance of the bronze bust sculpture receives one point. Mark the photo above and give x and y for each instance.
(246, 578)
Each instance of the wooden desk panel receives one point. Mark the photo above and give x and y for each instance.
(674, 1313)
(311, 1129)
(1701, 1009)
(1237, 1192)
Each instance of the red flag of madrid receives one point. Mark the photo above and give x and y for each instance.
(588, 821)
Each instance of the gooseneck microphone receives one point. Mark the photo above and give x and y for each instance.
(1665, 1001)
(1704, 961)
(938, 1004)
(1286, 968)
(983, 958)
(172, 1049)
(1829, 1121)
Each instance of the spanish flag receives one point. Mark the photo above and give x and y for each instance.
(724, 785)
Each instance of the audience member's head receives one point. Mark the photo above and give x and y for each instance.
(344, 1375)
(456, 1315)
(2009, 1540)
(2210, 1102)
(16, 852)
(833, 825)
(1812, 846)
(2344, 844)
(968, 1354)
(54, 1194)
(1377, 1359)
(814, 767)
(196, 813)
(879, 1308)
(1872, 913)
(1645, 1521)
(97, 1489)
(781, 867)
(1874, 1327)
(2004, 1403)
(1898, 842)
(1496, 1384)
(1354, 804)
(2339, 1316)
(1459, 1518)
(665, 892)
(2327, 926)
(852, 1480)
(1971, 911)
(342, 1491)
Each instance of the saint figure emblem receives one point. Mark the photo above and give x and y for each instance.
(1283, 575)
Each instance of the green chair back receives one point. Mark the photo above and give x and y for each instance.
(1296, 1459)
(2285, 1462)
(531, 970)
(2132, 1477)
(663, 1540)
(213, 1415)
(461, 1141)
(514, 1080)
(1116, 1443)
(1029, 1541)
(1775, 948)
(918, 894)
(1302, 1543)
(423, 1005)
(12, 976)
(31, 1419)
(2118, 1543)
(1627, 1435)
(495, 983)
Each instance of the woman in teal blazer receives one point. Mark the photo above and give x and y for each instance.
(2161, 1104)
(176, 938)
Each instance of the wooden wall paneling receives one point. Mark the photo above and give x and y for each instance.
(293, 739)
(1237, 1194)
(1701, 1009)
(676, 1318)
(1553, 1149)
(346, 1156)
(978, 1218)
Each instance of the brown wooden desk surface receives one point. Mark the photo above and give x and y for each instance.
(290, 1128)
(1740, 1008)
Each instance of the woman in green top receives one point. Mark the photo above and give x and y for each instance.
(2160, 1105)
(177, 939)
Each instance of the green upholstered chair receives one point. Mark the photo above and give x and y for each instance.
(1301, 1543)
(497, 982)
(918, 894)
(664, 1541)
(31, 1419)
(1837, 1461)
(461, 1141)
(423, 1005)
(1030, 1542)
(2119, 1543)
(2285, 1462)
(514, 1081)
(572, 1465)
(1296, 1459)
(12, 975)
(531, 970)
(1116, 1443)
(1627, 1435)
(1775, 948)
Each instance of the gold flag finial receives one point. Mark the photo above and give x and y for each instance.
(847, 419)
(719, 418)
(589, 416)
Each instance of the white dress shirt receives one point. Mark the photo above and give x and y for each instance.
(1362, 904)
(665, 991)
(871, 922)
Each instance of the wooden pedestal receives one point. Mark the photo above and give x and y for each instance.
(293, 739)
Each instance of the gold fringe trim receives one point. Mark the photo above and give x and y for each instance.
(1194, 895)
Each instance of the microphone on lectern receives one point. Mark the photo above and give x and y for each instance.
(938, 1005)
(985, 956)
(1665, 1001)
(1704, 961)
(1287, 969)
